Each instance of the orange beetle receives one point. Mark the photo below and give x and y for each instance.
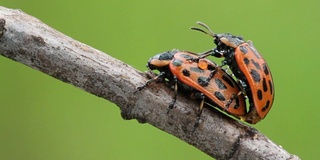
(201, 77)
(250, 69)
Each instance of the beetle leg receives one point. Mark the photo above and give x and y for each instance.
(159, 76)
(212, 73)
(202, 97)
(215, 52)
(174, 95)
(201, 56)
(224, 63)
(230, 101)
(244, 88)
(206, 53)
(233, 97)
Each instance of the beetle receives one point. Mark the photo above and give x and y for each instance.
(250, 69)
(202, 78)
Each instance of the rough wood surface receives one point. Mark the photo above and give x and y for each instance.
(27, 40)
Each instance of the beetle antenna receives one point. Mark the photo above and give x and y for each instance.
(210, 32)
(205, 26)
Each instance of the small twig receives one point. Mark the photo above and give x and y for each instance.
(27, 40)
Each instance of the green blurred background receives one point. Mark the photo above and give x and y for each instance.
(43, 118)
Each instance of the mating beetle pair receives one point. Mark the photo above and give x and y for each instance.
(194, 73)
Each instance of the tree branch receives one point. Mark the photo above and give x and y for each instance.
(27, 40)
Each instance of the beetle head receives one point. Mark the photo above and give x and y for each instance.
(160, 60)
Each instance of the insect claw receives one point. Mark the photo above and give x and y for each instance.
(196, 125)
(171, 106)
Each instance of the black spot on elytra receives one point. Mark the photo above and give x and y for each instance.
(243, 49)
(264, 84)
(228, 80)
(186, 56)
(259, 94)
(220, 84)
(255, 75)
(266, 106)
(256, 64)
(185, 72)
(237, 104)
(246, 61)
(219, 96)
(265, 69)
(211, 67)
(177, 62)
(271, 87)
(203, 81)
(196, 69)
